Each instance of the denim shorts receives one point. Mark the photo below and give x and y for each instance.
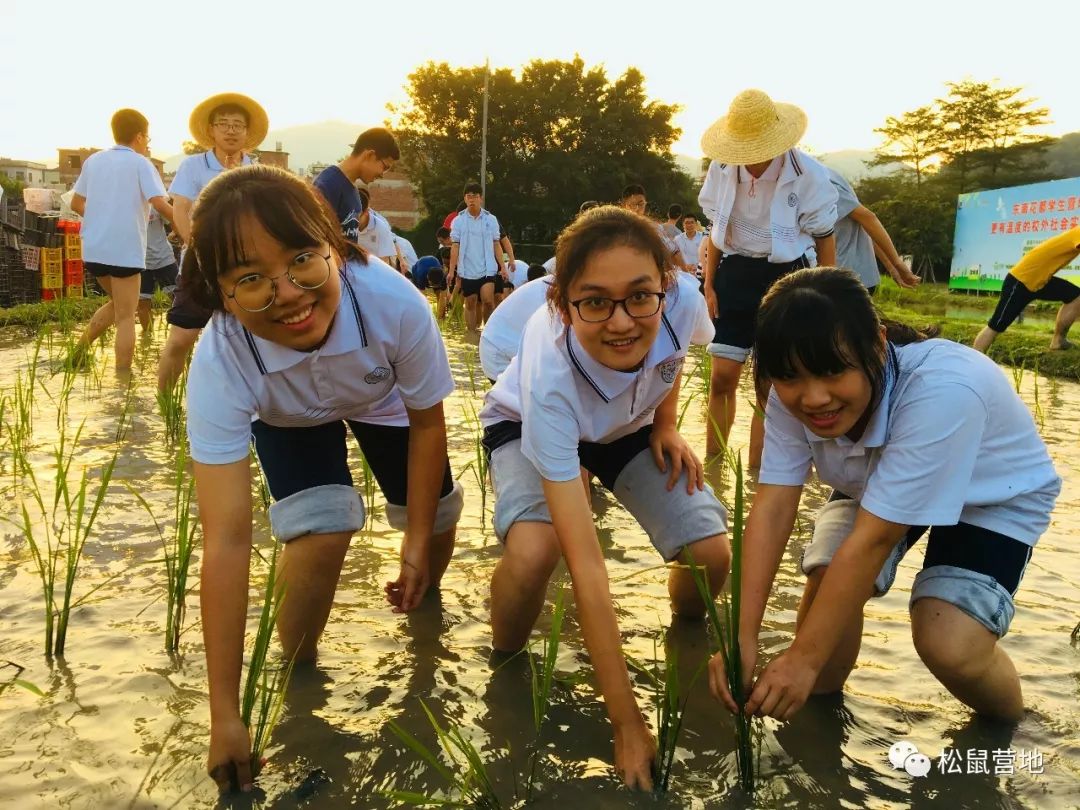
(307, 472)
(672, 519)
(975, 569)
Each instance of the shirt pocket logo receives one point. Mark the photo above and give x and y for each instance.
(377, 376)
(670, 369)
(792, 199)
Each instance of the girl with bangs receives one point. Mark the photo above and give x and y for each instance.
(915, 435)
(308, 335)
(595, 385)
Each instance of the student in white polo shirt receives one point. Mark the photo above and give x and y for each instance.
(114, 194)
(228, 126)
(309, 337)
(912, 434)
(475, 256)
(773, 210)
(595, 384)
(502, 335)
(688, 240)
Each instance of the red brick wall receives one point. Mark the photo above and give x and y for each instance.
(394, 197)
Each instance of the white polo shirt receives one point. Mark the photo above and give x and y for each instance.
(384, 352)
(408, 252)
(519, 274)
(562, 396)
(689, 247)
(549, 265)
(195, 173)
(118, 184)
(502, 333)
(475, 237)
(377, 238)
(950, 442)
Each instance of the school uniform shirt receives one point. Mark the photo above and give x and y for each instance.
(384, 353)
(689, 247)
(549, 265)
(854, 248)
(377, 238)
(1042, 261)
(159, 253)
(802, 207)
(502, 333)
(340, 192)
(196, 172)
(475, 237)
(519, 274)
(950, 442)
(562, 396)
(408, 252)
(118, 184)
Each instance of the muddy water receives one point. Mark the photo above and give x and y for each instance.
(123, 724)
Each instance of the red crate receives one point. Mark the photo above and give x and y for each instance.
(73, 272)
(50, 295)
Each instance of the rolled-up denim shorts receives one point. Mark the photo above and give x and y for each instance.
(977, 570)
(673, 520)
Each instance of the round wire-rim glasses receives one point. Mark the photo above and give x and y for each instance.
(308, 271)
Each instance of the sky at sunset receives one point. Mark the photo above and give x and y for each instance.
(848, 64)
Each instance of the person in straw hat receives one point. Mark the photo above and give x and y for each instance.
(228, 126)
(773, 210)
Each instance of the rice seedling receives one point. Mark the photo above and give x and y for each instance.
(1018, 375)
(544, 675)
(1075, 636)
(470, 366)
(466, 776)
(178, 548)
(14, 680)
(1040, 417)
(263, 699)
(67, 525)
(124, 422)
(725, 625)
(669, 704)
(170, 404)
(479, 461)
(370, 485)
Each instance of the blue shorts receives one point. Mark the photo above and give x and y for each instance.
(975, 569)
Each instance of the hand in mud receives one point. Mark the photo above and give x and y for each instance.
(718, 683)
(406, 592)
(229, 763)
(635, 751)
(783, 687)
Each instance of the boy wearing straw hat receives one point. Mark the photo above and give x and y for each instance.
(772, 209)
(228, 126)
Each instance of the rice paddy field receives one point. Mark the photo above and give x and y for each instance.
(104, 704)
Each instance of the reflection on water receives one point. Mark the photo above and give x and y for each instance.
(123, 724)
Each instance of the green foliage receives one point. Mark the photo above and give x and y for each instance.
(558, 133)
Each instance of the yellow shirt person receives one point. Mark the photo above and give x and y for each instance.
(1034, 277)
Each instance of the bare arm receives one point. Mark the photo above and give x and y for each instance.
(181, 219)
(499, 264)
(78, 204)
(572, 519)
(508, 248)
(768, 528)
(884, 247)
(826, 250)
(455, 249)
(427, 448)
(161, 205)
(666, 440)
(787, 681)
(224, 494)
(712, 261)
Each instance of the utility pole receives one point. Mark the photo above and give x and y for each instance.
(483, 140)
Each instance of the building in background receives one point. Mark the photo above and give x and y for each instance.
(394, 196)
(27, 172)
(273, 158)
(71, 163)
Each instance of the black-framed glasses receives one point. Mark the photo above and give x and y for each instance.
(596, 309)
(256, 292)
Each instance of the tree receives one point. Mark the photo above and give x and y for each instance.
(559, 134)
(919, 218)
(980, 122)
(912, 139)
(192, 148)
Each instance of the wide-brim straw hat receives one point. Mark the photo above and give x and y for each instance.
(258, 123)
(755, 129)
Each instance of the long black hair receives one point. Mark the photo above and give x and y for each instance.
(823, 321)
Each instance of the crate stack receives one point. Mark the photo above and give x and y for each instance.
(42, 232)
(12, 272)
(73, 258)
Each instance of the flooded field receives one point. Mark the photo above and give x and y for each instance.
(122, 723)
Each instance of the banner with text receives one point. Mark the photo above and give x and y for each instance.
(995, 228)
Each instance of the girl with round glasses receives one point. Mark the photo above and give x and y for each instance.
(595, 384)
(308, 336)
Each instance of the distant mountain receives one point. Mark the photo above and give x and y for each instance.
(324, 142)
